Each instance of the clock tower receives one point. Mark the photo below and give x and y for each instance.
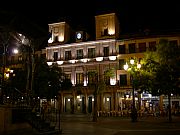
(81, 36)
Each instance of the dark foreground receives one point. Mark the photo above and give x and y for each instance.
(82, 125)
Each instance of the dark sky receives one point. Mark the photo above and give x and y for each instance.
(133, 14)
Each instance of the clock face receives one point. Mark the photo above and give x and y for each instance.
(79, 36)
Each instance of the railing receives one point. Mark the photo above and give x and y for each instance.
(42, 120)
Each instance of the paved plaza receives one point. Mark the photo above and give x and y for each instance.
(78, 124)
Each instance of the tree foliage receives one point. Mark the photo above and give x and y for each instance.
(160, 71)
(146, 78)
(168, 71)
(50, 80)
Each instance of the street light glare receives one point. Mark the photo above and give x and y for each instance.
(132, 61)
(138, 66)
(15, 51)
(133, 69)
(126, 66)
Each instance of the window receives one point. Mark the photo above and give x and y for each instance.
(20, 58)
(55, 56)
(68, 76)
(92, 77)
(173, 42)
(79, 78)
(67, 55)
(152, 46)
(142, 47)
(91, 52)
(132, 48)
(79, 54)
(123, 80)
(106, 51)
(122, 49)
(121, 64)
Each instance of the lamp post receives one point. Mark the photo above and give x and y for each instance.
(133, 67)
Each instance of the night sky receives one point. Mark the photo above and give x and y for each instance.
(133, 15)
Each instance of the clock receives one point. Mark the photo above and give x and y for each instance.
(78, 35)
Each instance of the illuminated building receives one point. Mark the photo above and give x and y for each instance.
(108, 50)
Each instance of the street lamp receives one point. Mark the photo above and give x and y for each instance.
(15, 51)
(4, 72)
(133, 67)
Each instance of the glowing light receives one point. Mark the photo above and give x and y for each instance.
(132, 61)
(112, 81)
(107, 99)
(11, 71)
(138, 65)
(49, 63)
(99, 59)
(85, 83)
(111, 32)
(60, 62)
(82, 43)
(50, 40)
(61, 38)
(84, 60)
(126, 66)
(112, 57)
(15, 51)
(7, 75)
(69, 99)
(72, 61)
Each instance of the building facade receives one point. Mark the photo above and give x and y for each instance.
(109, 50)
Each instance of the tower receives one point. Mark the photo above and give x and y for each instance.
(107, 26)
(60, 33)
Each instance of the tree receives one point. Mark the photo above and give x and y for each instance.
(168, 73)
(98, 85)
(145, 81)
(18, 79)
(6, 37)
(163, 71)
(29, 45)
(49, 80)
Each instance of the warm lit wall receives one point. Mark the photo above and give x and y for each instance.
(60, 32)
(109, 22)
